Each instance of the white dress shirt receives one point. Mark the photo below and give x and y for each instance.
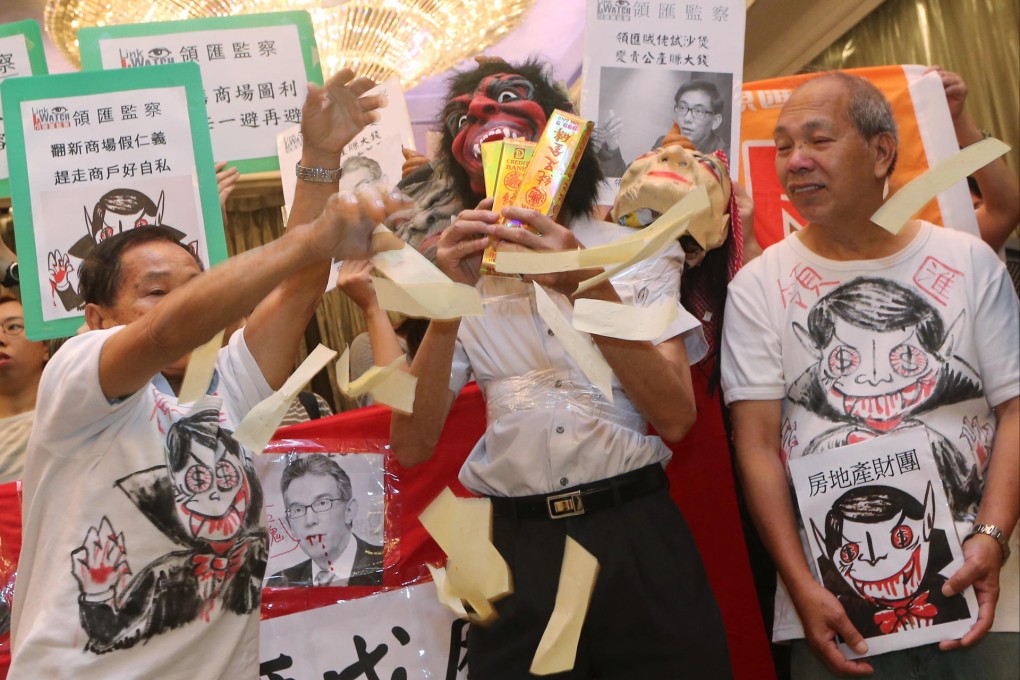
(548, 428)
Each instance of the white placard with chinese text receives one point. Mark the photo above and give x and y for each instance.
(641, 56)
(113, 153)
(377, 636)
(21, 54)
(254, 77)
(883, 539)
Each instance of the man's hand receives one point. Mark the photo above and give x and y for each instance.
(344, 229)
(459, 252)
(824, 618)
(551, 237)
(982, 560)
(955, 87)
(355, 281)
(607, 133)
(334, 114)
(226, 180)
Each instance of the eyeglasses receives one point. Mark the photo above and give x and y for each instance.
(13, 327)
(297, 511)
(697, 112)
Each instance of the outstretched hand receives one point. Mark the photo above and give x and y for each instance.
(344, 229)
(955, 88)
(355, 280)
(334, 113)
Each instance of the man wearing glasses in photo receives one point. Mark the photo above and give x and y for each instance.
(320, 512)
(698, 112)
(21, 366)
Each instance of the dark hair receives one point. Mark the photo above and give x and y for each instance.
(363, 162)
(868, 111)
(876, 305)
(582, 196)
(316, 464)
(868, 505)
(701, 86)
(99, 275)
(197, 428)
(121, 202)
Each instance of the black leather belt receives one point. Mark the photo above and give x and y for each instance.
(579, 500)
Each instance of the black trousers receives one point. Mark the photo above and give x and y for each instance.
(652, 614)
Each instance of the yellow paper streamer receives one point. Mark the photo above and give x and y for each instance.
(257, 428)
(627, 250)
(905, 203)
(475, 571)
(448, 300)
(200, 369)
(578, 346)
(615, 320)
(403, 264)
(557, 650)
(388, 384)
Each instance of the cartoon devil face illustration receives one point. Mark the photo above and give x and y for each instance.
(877, 377)
(878, 538)
(502, 106)
(211, 490)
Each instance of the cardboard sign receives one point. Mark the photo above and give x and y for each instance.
(650, 65)
(255, 68)
(21, 54)
(112, 151)
(883, 539)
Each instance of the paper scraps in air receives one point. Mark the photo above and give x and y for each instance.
(257, 428)
(626, 322)
(475, 571)
(444, 594)
(387, 384)
(557, 650)
(913, 196)
(578, 346)
(449, 300)
(421, 290)
(199, 373)
(619, 254)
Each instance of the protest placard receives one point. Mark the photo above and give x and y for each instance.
(112, 151)
(21, 54)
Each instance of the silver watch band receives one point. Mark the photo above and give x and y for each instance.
(996, 533)
(319, 175)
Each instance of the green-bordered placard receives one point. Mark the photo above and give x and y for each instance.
(21, 54)
(93, 154)
(254, 70)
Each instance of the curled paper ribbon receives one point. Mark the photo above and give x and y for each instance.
(257, 428)
(911, 197)
(578, 346)
(199, 373)
(388, 384)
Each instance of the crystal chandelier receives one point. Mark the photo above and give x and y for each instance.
(413, 39)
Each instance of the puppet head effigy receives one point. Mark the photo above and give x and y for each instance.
(655, 181)
(495, 101)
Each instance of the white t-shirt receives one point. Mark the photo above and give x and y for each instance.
(926, 337)
(144, 531)
(547, 427)
(14, 432)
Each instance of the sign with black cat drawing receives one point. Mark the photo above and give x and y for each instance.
(883, 540)
(94, 154)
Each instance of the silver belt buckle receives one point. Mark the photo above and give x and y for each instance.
(565, 505)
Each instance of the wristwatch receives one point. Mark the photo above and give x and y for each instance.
(320, 175)
(996, 533)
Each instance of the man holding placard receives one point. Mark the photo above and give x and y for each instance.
(145, 539)
(845, 332)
